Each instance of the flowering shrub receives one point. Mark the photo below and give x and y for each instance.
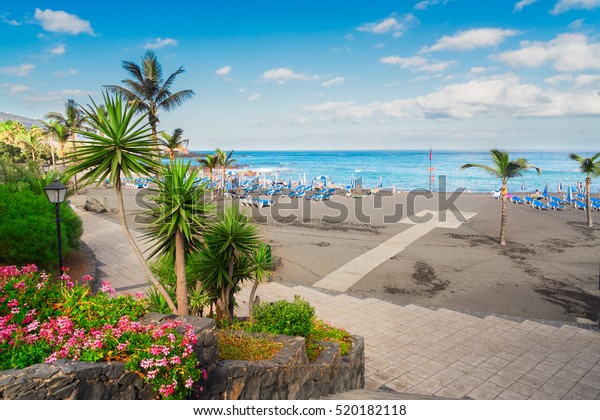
(42, 320)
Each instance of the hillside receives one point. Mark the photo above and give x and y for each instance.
(28, 122)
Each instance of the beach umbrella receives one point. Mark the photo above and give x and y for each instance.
(380, 182)
(523, 186)
(560, 186)
(545, 193)
(265, 179)
(569, 196)
(352, 182)
(304, 179)
(299, 179)
(290, 183)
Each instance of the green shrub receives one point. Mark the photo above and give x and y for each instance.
(283, 317)
(28, 229)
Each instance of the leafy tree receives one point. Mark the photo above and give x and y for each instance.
(31, 139)
(117, 146)
(60, 133)
(504, 169)
(73, 120)
(173, 142)
(149, 89)
(178, 220)
(590, 166)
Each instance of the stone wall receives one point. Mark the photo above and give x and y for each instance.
(289, 375)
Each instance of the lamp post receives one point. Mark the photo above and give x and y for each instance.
(56, 193)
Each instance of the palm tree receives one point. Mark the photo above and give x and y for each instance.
(223, 259)
(503, 169)
(60, 133)
(74, 121)
(11, 131)
(117, 146)
(225, 161)
(173, 142)
(32, 138)
(178, 220)
(210, 162)
(591, 167)
(149, 89)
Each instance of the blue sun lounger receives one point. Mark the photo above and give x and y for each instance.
(537, 204)
(517, 200)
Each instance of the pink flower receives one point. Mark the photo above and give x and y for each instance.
(87, 278)
(107, 287)
(20, 285)
(189, 382)
(139, 295)
(52, 358)
(13, 303)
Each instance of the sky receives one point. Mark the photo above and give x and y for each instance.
(304, 74)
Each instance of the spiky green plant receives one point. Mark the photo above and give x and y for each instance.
(590, 166)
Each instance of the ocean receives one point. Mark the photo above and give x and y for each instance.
(409, 169)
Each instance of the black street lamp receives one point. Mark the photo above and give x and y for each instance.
(56, 193)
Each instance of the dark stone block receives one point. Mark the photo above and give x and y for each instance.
(62, 393)
(113, 370)
(44, 372)
(87, 371)
(131, 378)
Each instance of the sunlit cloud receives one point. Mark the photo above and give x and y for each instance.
(333, 82)
(284, 75)
(471, 39)
(18, 71)
(160, 43)
(417, 63)
(393, 24)
(62, 22)
(565, 5)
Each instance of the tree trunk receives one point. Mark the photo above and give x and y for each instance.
(75, 154)
(503, 218)
(588, 201)
(33, 154)
(52, 153)
(137, 251)
(182, 299)
(211, 186)
(251, 299)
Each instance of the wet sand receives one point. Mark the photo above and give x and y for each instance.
(549, 269)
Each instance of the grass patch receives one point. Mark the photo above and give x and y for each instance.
(238, 345)
(324, 332)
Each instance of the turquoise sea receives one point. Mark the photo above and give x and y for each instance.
(409, 169)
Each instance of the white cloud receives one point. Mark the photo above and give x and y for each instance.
(11, 22)
(14, 89)
(254, 97)
(523, 3)
(283, 75)
(160, 43)
(379, 46)
(18, 71)
(471, 39)
(584, 80)
(65, 73)
(62, 22)
(223, 71)
(576, 24)
(417, 63)
(423, 5)
(565, 5)
(338, 49)
(477, 70)
(559, 78)
(242, 90)
(333, 82)
(566, 52)
(57, 95)
(498, 96)
(390, 24)
(58, 50)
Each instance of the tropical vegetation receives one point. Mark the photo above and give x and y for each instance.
(590, 166)
(150, 91)
(504, 169)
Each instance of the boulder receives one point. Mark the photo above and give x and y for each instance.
(93, 205)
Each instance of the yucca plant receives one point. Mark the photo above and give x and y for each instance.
(178, 220)
(117, 146)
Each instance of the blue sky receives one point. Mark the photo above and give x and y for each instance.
(447, 74)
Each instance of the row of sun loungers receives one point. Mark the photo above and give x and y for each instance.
(555, 203)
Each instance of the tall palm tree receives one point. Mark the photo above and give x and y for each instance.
(60, 133)
(504, 169)
(11, 131)
(173, 142)
(591, 167)
(210, 162)
(225, 160)
(117, 146)
(149, 89)
(178, 220)
(74, 120)
(32, 138)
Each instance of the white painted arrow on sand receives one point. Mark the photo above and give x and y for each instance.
(352, 272)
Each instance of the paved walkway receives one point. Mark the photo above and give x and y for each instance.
(417, 350)
(352, 272)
